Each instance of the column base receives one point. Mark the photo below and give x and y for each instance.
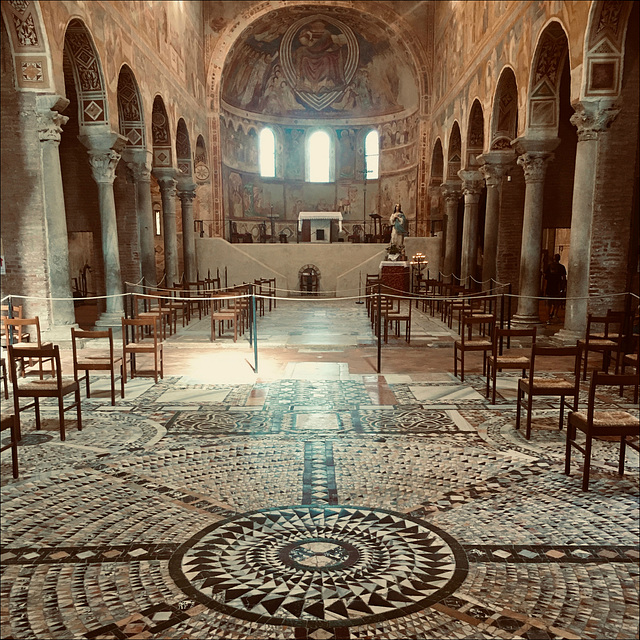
(108, 320)
(520, 321)
(59, 334)
(568, 337)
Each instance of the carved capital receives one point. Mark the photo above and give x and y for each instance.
(494, 169)
(592, 118)
(103, 165)
(187, 197)
(167, 186)
(141, 171)
(451, 192)
(534, 164)
(50, 125)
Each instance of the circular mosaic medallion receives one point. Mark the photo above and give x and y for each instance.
(319, 566)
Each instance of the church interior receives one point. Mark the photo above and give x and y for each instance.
(319, 319)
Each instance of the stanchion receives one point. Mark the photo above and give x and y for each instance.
(255, 333)
(378, 326)
(359, 301)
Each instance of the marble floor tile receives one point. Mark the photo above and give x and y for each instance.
(316, 497)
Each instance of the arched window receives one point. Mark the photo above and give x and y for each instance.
(372, 155)
(319, 157)
(267, 153)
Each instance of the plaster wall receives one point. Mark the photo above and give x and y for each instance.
(341, 265)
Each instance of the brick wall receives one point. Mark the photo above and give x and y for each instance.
(611, 269)
(22, 223)
(510, 229)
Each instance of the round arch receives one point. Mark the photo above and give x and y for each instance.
(130, 110)
(604, 49)
(183, 150)
(162, 152)
(475, 134)
(88, 76)
(504, 116)
(543, 104)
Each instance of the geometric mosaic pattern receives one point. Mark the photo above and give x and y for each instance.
(315, 566)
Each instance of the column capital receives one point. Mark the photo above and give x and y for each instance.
(591, 118)
(103, 165)
(451, 190)
(50, 125)
(472, 183)
(534, 155)
(139, 163)
(141, 171)
(165, 176)
(187, 195)
(495, 164)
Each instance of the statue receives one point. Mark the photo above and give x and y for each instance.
(398, 222)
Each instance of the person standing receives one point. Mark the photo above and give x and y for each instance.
(555, 276)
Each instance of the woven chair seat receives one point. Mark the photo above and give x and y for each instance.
(47, 385)
(605, 419)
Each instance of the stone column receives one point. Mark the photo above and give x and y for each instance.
(451, 194)
(139, 163)
(167, 181)
(472, 184)
(592, 119)
(104, 154)
(494, 166)
(187, 194)
(533, 156)
(62, 311)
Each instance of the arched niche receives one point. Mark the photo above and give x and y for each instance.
(130, 110)
(504, 118)
(475, 134)
(543, 108)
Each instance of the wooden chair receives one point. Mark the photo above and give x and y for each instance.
(55, 387)
(496, 361)
(475, 335)
(225, 311)
(4, 374)
(562, 386)
(141, 336)
(16, 312)
(393, 317)
(9, 422)
(17, 328)
(153, 306)
(85, 360)
(604, 335)
(598, 424)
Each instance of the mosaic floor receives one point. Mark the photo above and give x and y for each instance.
(316, 503)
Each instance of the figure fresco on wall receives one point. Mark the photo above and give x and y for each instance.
(316, 64)
(347, 153)
(294, 145)
(236, 200)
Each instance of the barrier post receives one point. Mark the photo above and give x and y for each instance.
(378, 324)
(255, 330)
(10, 312)
(509, 317)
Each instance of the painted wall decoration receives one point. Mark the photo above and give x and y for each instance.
(317, 65)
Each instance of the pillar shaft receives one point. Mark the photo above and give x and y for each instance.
(534, 157)
(495, 165)
(451, 195)
(591, 120)
(104, 148)
(471, 188)
(167, 183)
(141, 171)
(103, 165)
(49, 130)
(187, 194)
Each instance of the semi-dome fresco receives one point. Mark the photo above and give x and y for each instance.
(315, 65)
